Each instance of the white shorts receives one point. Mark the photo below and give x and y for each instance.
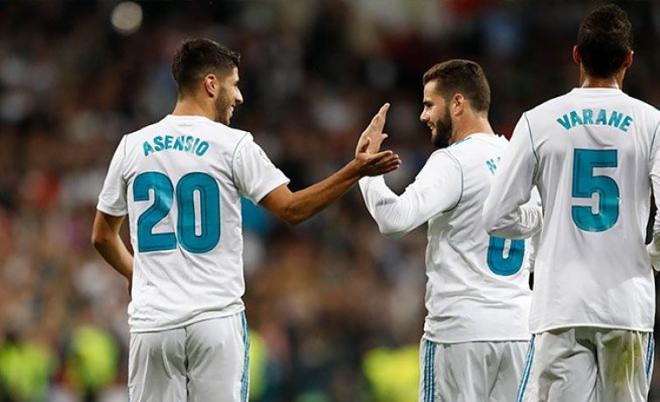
(470, 371)
(588, 365)
(202, 362)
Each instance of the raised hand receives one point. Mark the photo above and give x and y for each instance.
(374, 164)
(373, 134)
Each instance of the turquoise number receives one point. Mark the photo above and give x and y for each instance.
(163, 195)
(496, 260)
(585, 184)
(209, 196)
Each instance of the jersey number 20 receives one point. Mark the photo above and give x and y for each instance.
(164, 193)
(585, 184)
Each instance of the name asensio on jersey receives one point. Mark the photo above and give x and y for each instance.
(184, 143)
(595, 116)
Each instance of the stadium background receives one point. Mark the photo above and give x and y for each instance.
(335, 309)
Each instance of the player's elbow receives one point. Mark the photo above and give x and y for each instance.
(99, 239)
(293, 215)
(391, 231)
(294, 219)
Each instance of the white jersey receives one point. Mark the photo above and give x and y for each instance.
(180, 181)
(590, 153)
(477, 288)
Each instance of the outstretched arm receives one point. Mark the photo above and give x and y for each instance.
(295, 207)
(436, 189)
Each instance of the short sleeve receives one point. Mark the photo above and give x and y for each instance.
(254, 173)
(112, 199)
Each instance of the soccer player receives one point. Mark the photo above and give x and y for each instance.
(477, 294)
(593, 155)
(180, 181)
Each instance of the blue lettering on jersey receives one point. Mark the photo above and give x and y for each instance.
(603, 117)
(158, 140)
(147, 148)
(491, 164)
(184, 143)
(575, 119)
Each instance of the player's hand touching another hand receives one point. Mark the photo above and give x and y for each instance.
(374, 164)
(373, 134)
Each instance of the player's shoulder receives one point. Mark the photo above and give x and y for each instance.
(476, 146)
(644, 107)
(455, 154)
(201, 126)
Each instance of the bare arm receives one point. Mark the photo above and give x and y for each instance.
(105, 238)
(295, 207)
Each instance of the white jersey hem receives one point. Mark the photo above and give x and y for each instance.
(208, 315)
(108, 210)
(590, 325)
(478, 339)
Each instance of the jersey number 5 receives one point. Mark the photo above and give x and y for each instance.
(209, 209)
(585, 184)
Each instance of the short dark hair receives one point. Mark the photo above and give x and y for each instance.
(461, 76)
(198, 57)
(604, 40)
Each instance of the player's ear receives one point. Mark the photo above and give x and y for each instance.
(457, 103)
(210, 85)
(628, 61)
(577, 57)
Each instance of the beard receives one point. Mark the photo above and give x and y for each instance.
(222, 106)
(443, 131)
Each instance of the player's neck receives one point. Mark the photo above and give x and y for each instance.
(189, 107)
(600, 83)
(615, 81)
(474, 126)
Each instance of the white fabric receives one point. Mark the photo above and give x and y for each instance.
(205, 361)
(597, 274)
(653, 249)
(470, 371)
(465, 299)
(588, 365)
(175, 287)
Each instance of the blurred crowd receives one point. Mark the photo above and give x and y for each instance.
(335, 309)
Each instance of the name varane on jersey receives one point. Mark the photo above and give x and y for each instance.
(592, 153)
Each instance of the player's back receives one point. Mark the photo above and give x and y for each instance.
(593, 150)
(478, 285)
(183, 187)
